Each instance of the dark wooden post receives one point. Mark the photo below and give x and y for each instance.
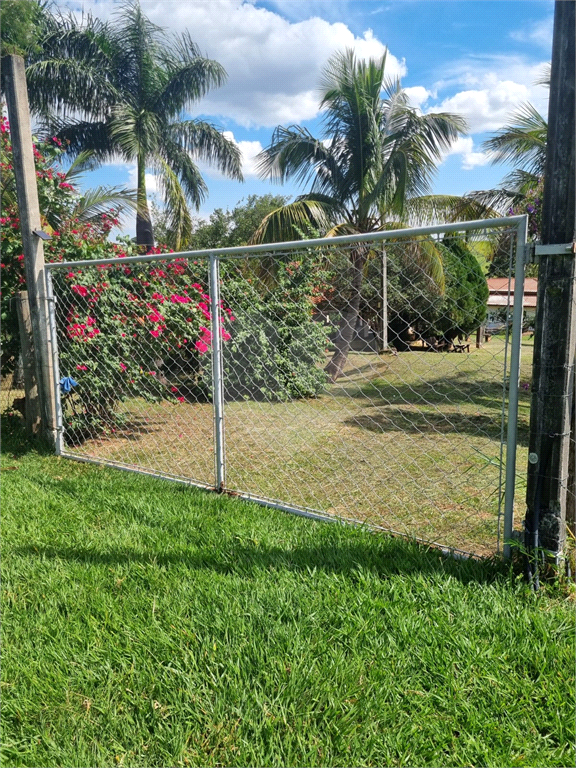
(555, 328)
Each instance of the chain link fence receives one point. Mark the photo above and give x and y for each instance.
(353, 378)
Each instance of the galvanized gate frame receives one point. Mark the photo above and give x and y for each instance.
(517, 223)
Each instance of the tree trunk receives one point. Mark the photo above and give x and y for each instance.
(144, 232)
(347, 327)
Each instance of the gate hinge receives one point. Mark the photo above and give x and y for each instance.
(557, 249)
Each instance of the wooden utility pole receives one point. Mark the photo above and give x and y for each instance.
(32, 413)
(29, 210)
(555, 329)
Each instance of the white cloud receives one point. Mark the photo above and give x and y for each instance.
(464, 146)
(539, 33)
(418, 95)
(273, 64)
(493, 89)
(249, 150)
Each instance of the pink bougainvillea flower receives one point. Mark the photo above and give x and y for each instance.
(122, 367)
(201, 346)
(181, 399)
(173, 389)
(81, 290)
(204, 309)
(81, 367)
(154, 333)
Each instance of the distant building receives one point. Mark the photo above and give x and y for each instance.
(502, 296)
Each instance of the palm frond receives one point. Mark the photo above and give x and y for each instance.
(99, 200)
(179, 219)
(522, 141)
(437, 209)
(79, 136)
(183, 167)
(86, 160)
(287, 222)
(189, 76)
(292, 153)
(205, 142)
(500, 199)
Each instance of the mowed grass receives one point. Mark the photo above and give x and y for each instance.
(149, 624)
(410, 443)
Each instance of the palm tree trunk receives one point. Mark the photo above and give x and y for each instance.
(344, 339)
(144, 232)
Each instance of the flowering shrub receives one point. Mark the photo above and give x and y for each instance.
(72, 239)
(123, 330)
(133, 330)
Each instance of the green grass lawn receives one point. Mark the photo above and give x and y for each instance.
(149, 624)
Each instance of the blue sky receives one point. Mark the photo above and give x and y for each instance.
(479, 58)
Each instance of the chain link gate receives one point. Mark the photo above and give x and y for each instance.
(338, 378)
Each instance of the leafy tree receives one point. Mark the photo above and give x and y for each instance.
(130, 83)
(224, 228)
(21, 25)
(464, 305)
(377, 154)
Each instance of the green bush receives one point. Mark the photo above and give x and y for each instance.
(464, 307)
(276, 348)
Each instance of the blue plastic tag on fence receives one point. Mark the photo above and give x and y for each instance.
(66, 384)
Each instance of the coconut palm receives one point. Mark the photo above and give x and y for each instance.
(376, 158)
(121, 89)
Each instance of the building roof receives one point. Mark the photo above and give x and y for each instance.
(502, 294)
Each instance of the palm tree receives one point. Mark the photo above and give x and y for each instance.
(373, 164)
(120, 89)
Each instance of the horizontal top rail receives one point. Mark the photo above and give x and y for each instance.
(243, 251)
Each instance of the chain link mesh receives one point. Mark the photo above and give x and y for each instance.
(354, 383)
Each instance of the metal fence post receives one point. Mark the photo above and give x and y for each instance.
(384, 300)
(514, 383)
(53, 354)
(217, 373)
